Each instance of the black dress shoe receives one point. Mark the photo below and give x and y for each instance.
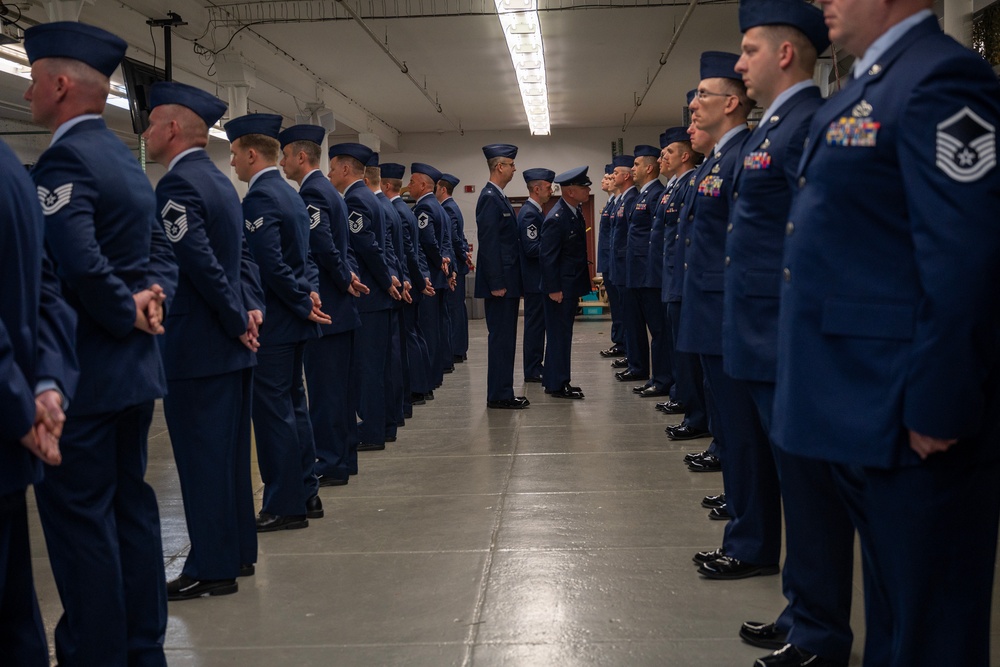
(670, 407)
(691, 457)
(650, 392)
(638, 389)
(417, 399)
(371, 446)
(429, 396)
(763, 635)
(186, 588)
(314, 508)
(247, 570)
(390, 438)
(537, 378)
(708, 556)
(450, 369)
(686, 432)
(457, 358)
(728, 567)
(613, 351)
(719, 514)
(793, 656)
(711, 502)
(267, 523)
(708, 463)
(629, 376)
(567, 392)
(329, 480)
(523, 400)
(620, 363)
(506, 404)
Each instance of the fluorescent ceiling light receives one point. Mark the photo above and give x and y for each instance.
(522, 30)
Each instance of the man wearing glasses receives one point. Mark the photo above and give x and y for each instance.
(498, 280)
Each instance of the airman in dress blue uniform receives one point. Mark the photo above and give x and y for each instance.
(617, 348)
(458, 314)
(417, 381)
(781, 41)
(889, 329)
(624, 205)
(752, 541)
(435, 239)
(276, 227)
(39, 371)
(646, 312)
(562, 256)
(498, 278)
(372, 342)
(328, 359)
(209, 344)
(100, 517)
(398, 268)
(529, 222)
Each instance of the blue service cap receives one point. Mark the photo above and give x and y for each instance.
(798, 14)
(538, 175)
(500, 150)
(392, 170)
(575, 176)
(313, 133)
(359, 152)
(449, 178)
(690, 95)
(673, 135)
(608, 168)
(373, 160)
(79, 41)
(268, 124)
(645, 150)
(425, 169)
(206, 106)
(719, 65)
(622, 161)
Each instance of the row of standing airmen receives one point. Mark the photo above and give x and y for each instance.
(820, 296)
(340, 282)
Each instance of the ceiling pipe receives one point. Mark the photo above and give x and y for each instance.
(399, 63)
(663, 61)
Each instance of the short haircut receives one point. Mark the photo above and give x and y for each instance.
(533, 184)
(312, 150)
(395, 184)
(90, 80)
(354, 163)
(776, 34)
(447, 185)
(493, 162)
(650, 161)
(192, 127)
(737, 88)
(267, 147)
(373, 175)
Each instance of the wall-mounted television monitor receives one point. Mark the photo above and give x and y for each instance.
(138, 78)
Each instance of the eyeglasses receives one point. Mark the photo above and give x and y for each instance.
(506, 164)
(704, 95)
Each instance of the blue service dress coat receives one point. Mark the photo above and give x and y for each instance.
(276, 227)
(435, 238)
(529, 223)
(701, 305)
(460, 245)
(657, 244)
(895, 285)
(37, 327)
(498, 263)
(637, 237)
(756, 237)
(604, 239)
(366, 223)
(330, 250)
(100, 517)
(676, 228)
(889, 323)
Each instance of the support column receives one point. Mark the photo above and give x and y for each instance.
(237, 75)
(65, 10)
(958, 20)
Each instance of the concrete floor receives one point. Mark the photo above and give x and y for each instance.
(557, 535)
